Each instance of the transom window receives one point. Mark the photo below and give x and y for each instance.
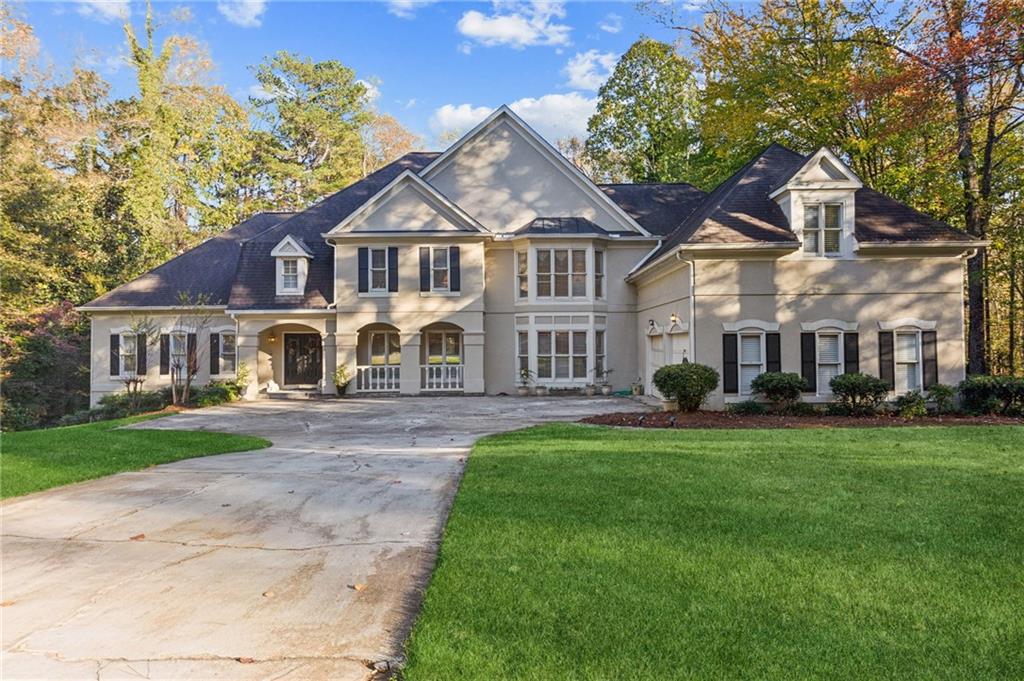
(378, 269)
(908, 361)
(228, 353)
(290, 274)
(439, 269)
(561, 273)
(385, 348)
(129, 357)
(562, 354)
(823, 228)
(444, 347)
(599, 274)
(751, 359)
(522, 278)
(829, 360)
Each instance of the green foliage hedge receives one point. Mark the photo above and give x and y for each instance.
(993, 395)
(857, 394)
(687, 383)
(778, 387)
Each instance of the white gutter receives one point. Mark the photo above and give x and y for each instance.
(692, 335)
(643, 260)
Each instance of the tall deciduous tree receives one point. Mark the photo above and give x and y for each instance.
(643, 129)
(385, 139)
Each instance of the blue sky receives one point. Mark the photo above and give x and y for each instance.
(437, 65)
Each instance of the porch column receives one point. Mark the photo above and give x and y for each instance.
(410, 383)
(330, 361)
(473, 369)
(345, 355)
(248, 349)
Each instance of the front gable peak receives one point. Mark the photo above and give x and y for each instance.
(290, 247)
(822, 170)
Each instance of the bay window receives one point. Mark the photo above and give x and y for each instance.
(561, 273)
(599, 274)
(522, 278)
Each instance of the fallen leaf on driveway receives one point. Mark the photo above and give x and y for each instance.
(357, 587)
(245, 660)
(138, 537)
(268, 594)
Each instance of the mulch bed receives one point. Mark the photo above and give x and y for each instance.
(719, 419)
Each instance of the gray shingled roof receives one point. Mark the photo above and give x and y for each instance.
(562, 225)
(209, 268)
(880, 218)
(658, 208)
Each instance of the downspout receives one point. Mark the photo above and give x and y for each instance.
(693, 304)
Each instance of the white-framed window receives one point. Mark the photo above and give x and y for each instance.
(907, 356)
(561, 273)
(440, 269)
(829, 358)
(290, 274)
(751, 359)
(823, 228)
(378, 270)
(228, 353)
(599, 354)
(522, 274)
(523, 350)
(599, 274)
(444, 347)
(179, 350)
(385, 348)
(562, 355)
(128, 350)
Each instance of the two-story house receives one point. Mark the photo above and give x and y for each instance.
(451, 272)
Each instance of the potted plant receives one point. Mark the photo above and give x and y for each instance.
(525, 376)
(542, 391)
(638, 386)
(606, 387)
(341, 379)
(590, 390)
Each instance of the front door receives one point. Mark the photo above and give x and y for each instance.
(302, 358)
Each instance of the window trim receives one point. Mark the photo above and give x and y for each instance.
(600, 279)
(220, 350)
(447, 269)
(285, 274)
(762, 335)
(918, 362)
(444, 334)
(370, 288)
(820, 208)
(121, 354)
(522, 279)
(821, 389)
(553, 273)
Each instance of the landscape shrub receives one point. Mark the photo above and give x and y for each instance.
(119, 405)
(993, 394)
(747, 408)
(857, 394)
(911, 405)
(687, 383)
(781, 389)
(800, 409)
(942, 396)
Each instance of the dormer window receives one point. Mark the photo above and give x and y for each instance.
(292, 258)
(823, 228)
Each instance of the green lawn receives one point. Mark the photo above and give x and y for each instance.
(39, 459)
(579, 552)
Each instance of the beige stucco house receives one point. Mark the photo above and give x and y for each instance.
(452, 272)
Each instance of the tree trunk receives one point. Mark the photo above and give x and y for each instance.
(1012, 321)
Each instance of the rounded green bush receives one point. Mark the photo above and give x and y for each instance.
(858, 394)
(687, 383)
(911, 405)
(777, 387)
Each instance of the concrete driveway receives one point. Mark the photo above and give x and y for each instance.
(305, 560)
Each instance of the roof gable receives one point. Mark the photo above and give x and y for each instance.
(505, 174)
(290, 246)
(407, 204)
(822, 170)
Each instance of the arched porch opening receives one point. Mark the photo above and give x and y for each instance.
(291, 357)
(378, 358)
(442, 358)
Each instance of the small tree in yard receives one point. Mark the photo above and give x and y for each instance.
(781, 389)
(144, 330)
(688, 384)
(193, 320)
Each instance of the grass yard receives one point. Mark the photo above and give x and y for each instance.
(39, 459)
(581, 552)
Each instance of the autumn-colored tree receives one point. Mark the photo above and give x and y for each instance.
(385, 139)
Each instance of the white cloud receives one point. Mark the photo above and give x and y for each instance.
(406, 9)
(465, 47)
(589, 70)
(372, 88)
(104, 10)
(244, 13)
(554, 116)
(517, 24)
(612, 23)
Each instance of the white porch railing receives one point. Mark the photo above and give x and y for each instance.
(441, 377)
(376, 379)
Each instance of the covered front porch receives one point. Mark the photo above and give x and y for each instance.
(430, 360)
(288, 355)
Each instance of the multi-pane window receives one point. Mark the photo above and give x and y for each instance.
(599, 274)
(444, 347)
(228, 353)
(385, 348)
(378, 269)
(829, 359)
(439, 269)
(562, 354)
(523, 345)
(561, 271)
(751, 359)
(290, 274)
(823, 228)
(179, 351)
(128, 351)
(599, 350)
(908, 354)
(522, 280)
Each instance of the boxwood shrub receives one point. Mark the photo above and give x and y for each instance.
(857, 394)
(779, 388)
(687, 383)
(993, 394)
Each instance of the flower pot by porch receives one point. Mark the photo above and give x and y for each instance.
(669, 405)
(542, 391)
(524, 390)
(341, 387)
(606, 390)
(590, 391)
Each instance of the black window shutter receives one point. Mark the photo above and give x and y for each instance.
(165, 354)
(214, 353)
(886, 362)
(808, 361)
(364, 269)
(392, 269)
(115, 354)
(192, 359)
(424, 268)
(140, 354)
(929, 353)
(730, 364)
(773, 352)
(851, 353)
(455, 282)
